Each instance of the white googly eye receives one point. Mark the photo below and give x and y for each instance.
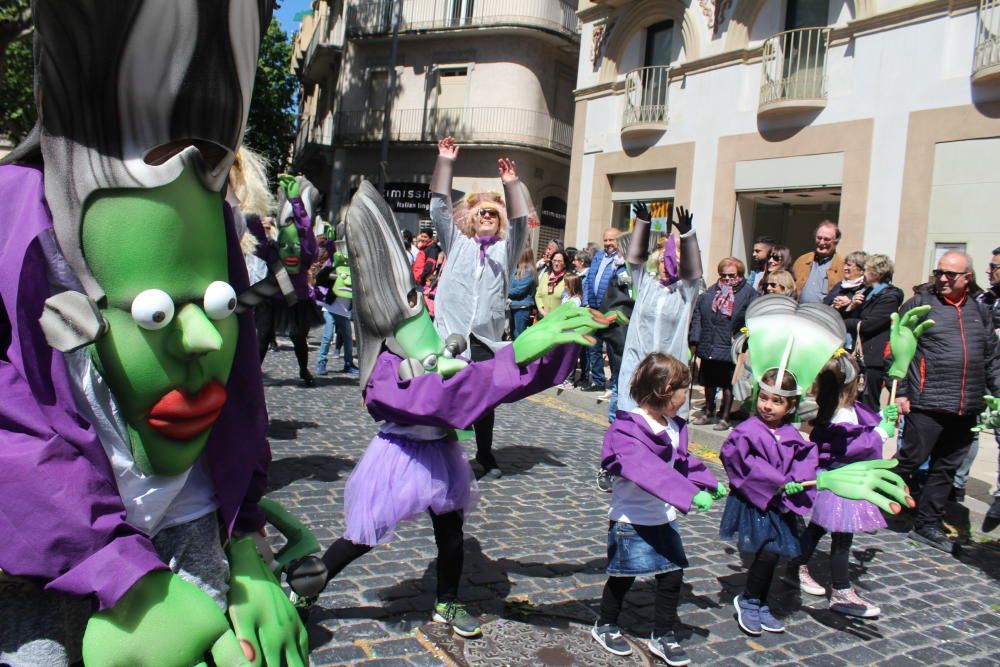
(430, 362)
(152, 309)
(219, 300)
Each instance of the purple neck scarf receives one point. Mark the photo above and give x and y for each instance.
(484, 244)
(670, 264)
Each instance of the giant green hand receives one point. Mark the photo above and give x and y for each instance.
(868, 480)
(720, 491)
(903, 335)
(990, 417)
(299, 542)
(569, 323)
(289, 184)
(161, 620)
(890, 415)
(702, 500)
(261, 614)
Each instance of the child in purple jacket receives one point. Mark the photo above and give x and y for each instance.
(647, 451)
(845, 431)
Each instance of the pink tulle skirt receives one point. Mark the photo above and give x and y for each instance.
(399, 478)
(840, 515)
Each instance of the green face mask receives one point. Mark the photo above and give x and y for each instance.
(289, 248)
(420, 342)
(342, 285)
(160, 256)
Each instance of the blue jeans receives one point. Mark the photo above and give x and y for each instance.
(595, 355)
(324, 345)
(521, 316)
(342, 326)
(962, 474)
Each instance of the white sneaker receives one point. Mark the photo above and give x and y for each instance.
(809, 585)
(848, 602)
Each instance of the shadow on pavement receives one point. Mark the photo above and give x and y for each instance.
(320, 467)
(519, 459)
(287, 429)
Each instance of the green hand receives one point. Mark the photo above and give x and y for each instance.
(990, 417)
(568, 323)
(702, 500)
(289, 184)
(903, 335)
(164, 620)
(868, 480)
(260, 612)
(792, 488)
(720, 491)
(890, 415)
(299, 542)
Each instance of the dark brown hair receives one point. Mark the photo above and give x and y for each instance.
(832, 391)
(788, 383)
(656, 378)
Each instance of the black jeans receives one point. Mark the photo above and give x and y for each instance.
(840, 553)
(451, 556)
(479, 351)
(668, 597)
(946, 439)
(871, 395)
(760, 574)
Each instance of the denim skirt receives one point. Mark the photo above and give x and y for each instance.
(635, 551)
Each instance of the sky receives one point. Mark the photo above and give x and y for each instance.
(288, 9)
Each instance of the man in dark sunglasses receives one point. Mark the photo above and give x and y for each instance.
(957, 361)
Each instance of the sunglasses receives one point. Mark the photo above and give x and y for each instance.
(993, 267)
(489, 213)
(950, 275)
(774, 258)
(727, 275)
(774, 285)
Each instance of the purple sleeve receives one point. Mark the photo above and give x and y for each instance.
(459, 401)
(309, 249)
(840, 444)
(750, 473)
(624, 456)
(692, 467)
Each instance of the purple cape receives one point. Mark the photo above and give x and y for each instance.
(459, 401)
(631, 450)
(840, 444)
(62, 519)
(759, 463)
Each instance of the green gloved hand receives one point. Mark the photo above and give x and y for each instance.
(903, 334)
(161, 620)
(720, 491)
(290, 184)
(791, 488)
(702, 500)
(868, 480)
(989, 419)
(569, 323)
(890, 415)
(299, 542)
(260, 611)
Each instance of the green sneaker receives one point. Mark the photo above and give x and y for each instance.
(461, 621)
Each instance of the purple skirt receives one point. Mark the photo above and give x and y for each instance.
(398, 478)
(840, 515)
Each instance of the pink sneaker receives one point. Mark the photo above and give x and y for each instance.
(850, 603)
(807, 584)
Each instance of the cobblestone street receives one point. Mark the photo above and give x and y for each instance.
(535, 551)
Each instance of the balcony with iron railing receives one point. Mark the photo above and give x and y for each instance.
(469, 125)
(794, 71)
(324, 46)
(311, 136)
(646, 100)
(369, 18)
(986, 61)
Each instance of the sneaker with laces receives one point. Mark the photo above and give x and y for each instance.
(768, 621)
(669, 650)
(461, 621)
(748, 614)
(611, 640)
(807, 584)
(932, 536)
(848, 602)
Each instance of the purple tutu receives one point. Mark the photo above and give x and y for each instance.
(399, 478)
(840, 515)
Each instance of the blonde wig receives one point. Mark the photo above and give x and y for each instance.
(466, 211)
(248, 179)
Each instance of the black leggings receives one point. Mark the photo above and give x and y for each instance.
(447, 535)
(668, 596)
(760, 574)
(479, 351)
(840, 553)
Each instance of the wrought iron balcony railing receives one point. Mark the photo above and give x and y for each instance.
(495, 125)
(986, 61)
(374, 17)
(646, 99)
(794, 64)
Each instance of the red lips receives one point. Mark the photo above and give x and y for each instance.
(181, 416)
(291, 260)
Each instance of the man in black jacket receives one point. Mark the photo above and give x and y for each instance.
(957, 361)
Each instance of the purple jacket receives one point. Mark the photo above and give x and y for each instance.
(62, 519)
(631, 450)
(759, 463)
(840, 444)
(459, 401)
(267, 248)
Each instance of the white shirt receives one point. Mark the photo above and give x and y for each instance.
(629, 503)
(850, 416)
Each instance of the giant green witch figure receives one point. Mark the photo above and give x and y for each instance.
(133, 449)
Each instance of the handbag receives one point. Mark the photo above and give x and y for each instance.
(859, 357)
